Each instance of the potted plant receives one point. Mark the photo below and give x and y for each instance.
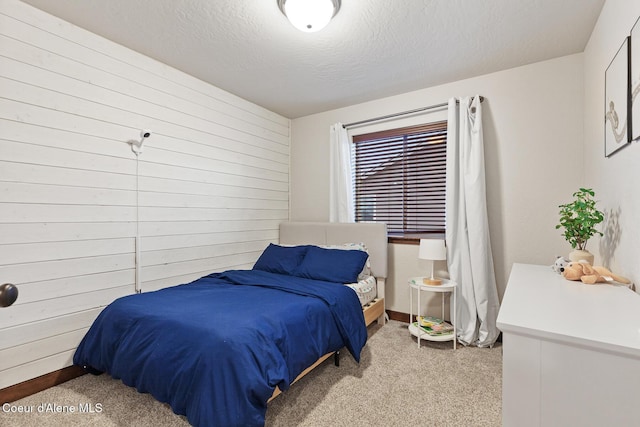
(579, 219)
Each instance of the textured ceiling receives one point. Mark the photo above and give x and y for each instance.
(371, 49)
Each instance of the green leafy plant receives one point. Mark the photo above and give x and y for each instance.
(579, 218)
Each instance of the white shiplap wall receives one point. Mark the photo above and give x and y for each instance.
(210, 187)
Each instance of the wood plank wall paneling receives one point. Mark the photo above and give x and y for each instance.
(209, 189)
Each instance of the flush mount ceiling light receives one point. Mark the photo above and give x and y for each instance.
(309, 15)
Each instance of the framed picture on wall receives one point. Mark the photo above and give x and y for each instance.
(634, 58)
(616, 95)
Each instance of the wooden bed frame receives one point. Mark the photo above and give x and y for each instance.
(373, 235)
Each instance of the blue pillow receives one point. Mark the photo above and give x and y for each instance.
(332, 265)
(280, 259)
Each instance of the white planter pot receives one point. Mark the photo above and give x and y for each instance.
(579, 255)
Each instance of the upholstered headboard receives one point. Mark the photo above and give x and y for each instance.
(373, 235)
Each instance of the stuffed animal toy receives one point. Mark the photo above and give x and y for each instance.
(560, 264)
(589, 274)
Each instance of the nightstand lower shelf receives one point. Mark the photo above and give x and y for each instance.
(417, 332)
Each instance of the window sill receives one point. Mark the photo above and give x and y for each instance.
(414, 239)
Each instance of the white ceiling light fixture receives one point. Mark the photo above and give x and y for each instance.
(309, 15)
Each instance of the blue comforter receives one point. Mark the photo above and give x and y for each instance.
(216, 348)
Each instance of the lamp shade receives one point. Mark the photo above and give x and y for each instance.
(309, 15)
(432, 249)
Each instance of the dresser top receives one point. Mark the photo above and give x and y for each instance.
(541, 303)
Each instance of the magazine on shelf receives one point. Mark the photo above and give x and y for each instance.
(443, 328)
(428, 321)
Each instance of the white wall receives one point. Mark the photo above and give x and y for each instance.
(533, 155)
(213, 182)
(615, 179)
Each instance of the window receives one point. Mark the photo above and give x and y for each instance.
(400, 177)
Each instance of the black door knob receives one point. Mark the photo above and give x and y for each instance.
(8, 294)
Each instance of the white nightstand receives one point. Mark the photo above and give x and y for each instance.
(447, 286)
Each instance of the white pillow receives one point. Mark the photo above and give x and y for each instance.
(365, 289)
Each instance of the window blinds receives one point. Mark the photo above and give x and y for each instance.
(400, 178)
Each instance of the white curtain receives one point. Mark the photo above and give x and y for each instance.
(341, 208)
(469, 258)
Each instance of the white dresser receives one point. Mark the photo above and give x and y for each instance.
(571, 352)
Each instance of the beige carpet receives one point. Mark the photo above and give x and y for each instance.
(395, 384)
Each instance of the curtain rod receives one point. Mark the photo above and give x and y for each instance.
(404, 113)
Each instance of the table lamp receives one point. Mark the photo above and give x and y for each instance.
(432, 249)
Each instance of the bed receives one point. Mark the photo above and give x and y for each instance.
(219, 348)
